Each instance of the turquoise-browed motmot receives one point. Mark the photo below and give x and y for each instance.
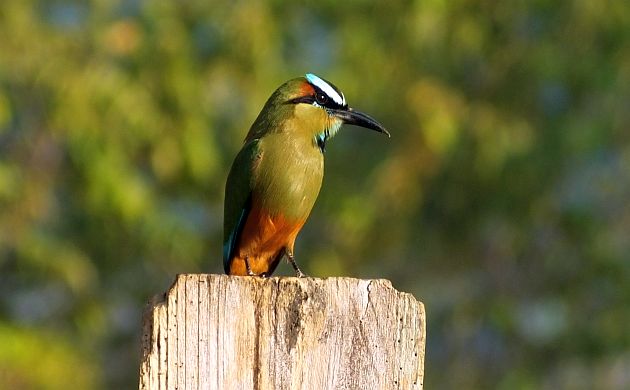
(275, 178)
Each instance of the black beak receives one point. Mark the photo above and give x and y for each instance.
(357, 118)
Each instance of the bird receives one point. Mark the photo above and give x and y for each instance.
(276, 176)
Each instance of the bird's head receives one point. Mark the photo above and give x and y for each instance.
(314, 107)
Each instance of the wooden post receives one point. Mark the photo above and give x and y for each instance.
(227, 332)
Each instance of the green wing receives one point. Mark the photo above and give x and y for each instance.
(238, 195)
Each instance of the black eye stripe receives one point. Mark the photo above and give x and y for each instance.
(324, 100)
(319, 97)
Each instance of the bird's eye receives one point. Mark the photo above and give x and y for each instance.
(321, 99)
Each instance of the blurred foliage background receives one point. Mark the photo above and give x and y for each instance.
(502, 199)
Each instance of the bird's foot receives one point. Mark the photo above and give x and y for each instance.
(298, 271)
(263, 275)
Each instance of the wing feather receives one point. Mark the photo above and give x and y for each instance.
(238, 198)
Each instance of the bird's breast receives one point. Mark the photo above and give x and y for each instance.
(289, 176)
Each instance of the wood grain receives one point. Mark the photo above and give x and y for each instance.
(229, 332)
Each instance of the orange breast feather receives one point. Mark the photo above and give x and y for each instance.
(263, 237)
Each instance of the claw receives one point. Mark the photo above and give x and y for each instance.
(291, 259)
(248, 268)
(263, 275)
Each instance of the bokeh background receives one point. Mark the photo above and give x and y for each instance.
(502, 200)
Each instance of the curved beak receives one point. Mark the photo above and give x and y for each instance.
(357, 118)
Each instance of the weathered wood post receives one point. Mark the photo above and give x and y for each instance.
(226, 332)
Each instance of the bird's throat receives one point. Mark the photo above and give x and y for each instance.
(328, 133)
